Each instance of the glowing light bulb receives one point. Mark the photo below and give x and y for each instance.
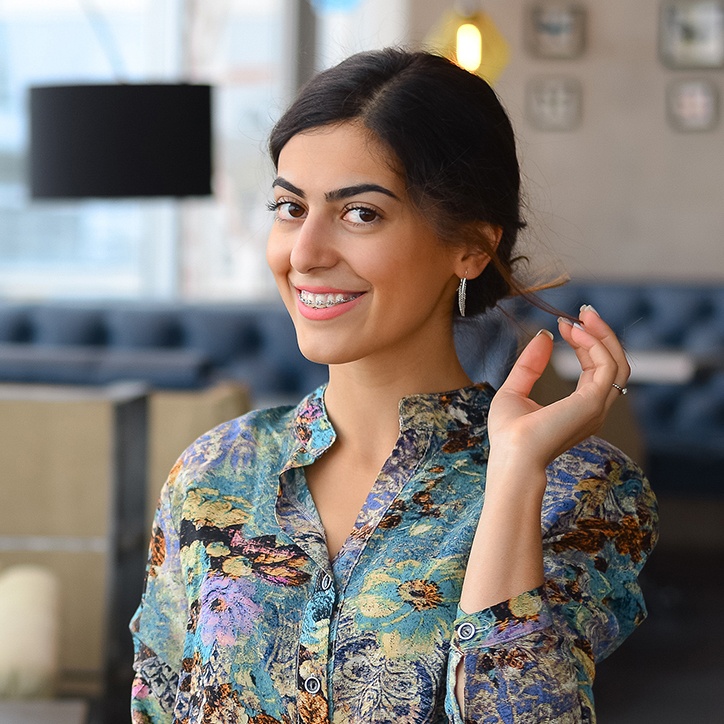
(469, 47)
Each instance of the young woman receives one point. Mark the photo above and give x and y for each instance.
(402, 546)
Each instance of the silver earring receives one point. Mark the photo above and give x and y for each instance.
(462, 290)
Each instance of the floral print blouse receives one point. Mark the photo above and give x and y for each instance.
(244, 619)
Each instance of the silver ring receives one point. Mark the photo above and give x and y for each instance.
(622, 390)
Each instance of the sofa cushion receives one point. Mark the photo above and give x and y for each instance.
(158, 368)
(79, 365)
(48, 365)
(140, 327)
(705, 334)
(56, 324)
(224, 333)
(665, 318)
(14, 323)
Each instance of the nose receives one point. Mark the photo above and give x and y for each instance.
(313, 246)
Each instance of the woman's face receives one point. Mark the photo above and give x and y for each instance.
(359, 268)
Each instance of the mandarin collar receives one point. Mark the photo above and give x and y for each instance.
(313, 431)
(447, 411)
(435, 412)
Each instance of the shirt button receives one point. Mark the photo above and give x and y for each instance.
(326, 582)
(312, 684)
(466, 631)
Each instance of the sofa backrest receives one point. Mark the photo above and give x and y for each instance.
(165, 345)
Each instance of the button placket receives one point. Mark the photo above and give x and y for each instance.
(314, 640)
(312, 684)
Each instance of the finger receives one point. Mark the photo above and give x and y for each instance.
(574, 341)
(530, 364)
(598, 366)
(598, 327)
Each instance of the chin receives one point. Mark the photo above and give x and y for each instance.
(333, 350)
(325, 356)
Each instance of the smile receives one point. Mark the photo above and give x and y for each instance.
(322, 305)
(323, 301)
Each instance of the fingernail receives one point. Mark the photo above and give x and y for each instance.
(588, 308)
(546, 332)
(570, 322)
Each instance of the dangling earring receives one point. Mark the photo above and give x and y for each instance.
(462, 290)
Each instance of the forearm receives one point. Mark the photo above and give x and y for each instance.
(506, 558)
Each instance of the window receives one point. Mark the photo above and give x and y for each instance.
(197, 248)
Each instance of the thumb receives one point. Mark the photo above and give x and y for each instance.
(530, 364)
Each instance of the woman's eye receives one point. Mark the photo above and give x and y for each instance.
(361, 215)
(287, 210)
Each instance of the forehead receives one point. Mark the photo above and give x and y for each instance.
(341, 155)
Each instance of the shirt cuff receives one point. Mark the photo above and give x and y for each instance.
(503, 622)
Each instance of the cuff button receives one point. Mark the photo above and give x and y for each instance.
(466, 631)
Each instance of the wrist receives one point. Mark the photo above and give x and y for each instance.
(515, 474)
(506, 557)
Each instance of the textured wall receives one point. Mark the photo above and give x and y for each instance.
(624, 196)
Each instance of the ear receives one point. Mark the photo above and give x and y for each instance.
(471, 259)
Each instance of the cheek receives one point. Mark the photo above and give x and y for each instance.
(277, 256)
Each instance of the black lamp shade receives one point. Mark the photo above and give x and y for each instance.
(120, 141)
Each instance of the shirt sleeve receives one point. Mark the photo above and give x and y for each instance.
(532, 658)
(159, 624)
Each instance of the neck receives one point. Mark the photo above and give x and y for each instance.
(363, 397)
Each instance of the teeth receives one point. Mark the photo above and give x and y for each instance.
(320, 301)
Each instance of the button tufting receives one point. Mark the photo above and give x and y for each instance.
(466, 631)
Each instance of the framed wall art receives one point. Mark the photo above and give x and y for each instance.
(554, 103)
(556, 29)
(692, 104)
(691, 34)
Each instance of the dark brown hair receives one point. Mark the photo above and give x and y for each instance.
(451, 136)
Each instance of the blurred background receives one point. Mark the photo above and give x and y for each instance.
(136, 309)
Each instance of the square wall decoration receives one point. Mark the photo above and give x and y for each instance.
(692, 105)
(691, 34)
(554, 103)
(556, 29)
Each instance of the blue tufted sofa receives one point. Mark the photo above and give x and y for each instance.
(190, 346)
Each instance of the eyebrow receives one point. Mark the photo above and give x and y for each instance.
(348, 191)
(288, 185)
(337, 194)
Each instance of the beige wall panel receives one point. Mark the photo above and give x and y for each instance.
(55, 462)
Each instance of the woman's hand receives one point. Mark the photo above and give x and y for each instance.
(506, 558)
(536, 435)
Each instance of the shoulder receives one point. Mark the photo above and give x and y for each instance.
(242, 442)
(592, 458)
(595, 480)
(227, 465)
